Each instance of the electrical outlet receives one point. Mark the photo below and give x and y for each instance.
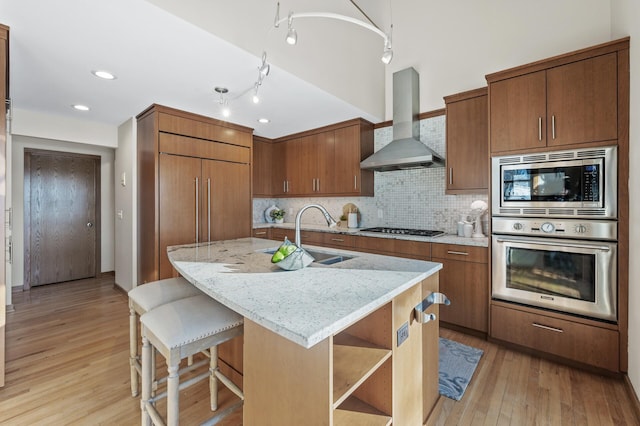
(402, 333)
(380, 215)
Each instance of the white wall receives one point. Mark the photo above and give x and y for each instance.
(625, 15)
(31, 129)
(125, 202)
(46, 126)
(454, 44)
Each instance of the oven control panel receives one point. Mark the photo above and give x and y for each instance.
(558, 228)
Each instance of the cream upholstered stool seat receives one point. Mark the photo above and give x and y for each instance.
(178, 330)
(143, 298)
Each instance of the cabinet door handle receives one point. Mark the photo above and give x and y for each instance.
(546, 327)
(461, 253)
(318, 185)
(450, 175)
(433, 299)
(197, 212)
(553, 127)
(539, 128)
(208, 210)
(284, 186)
(355, 181)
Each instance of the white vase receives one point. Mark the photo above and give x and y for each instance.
(279, 220)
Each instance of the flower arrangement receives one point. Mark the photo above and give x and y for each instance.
(277, 214)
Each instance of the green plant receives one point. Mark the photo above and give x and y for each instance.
(277, 214)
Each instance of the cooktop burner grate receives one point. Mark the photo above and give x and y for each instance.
(405, 231)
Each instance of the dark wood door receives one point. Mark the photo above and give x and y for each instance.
(518, 113)
(61, 221)
(179, 185)
(582, 99)
(226, 201)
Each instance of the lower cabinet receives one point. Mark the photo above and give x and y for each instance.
(589, 344)
(464, 279)
(264, 233)
(360, 376)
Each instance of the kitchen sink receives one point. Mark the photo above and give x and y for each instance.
(323, 258)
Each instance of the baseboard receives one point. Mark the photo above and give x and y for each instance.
(633, 396)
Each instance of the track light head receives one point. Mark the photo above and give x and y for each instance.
(292, 35)
(387, 56)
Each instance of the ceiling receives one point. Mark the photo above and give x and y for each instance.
(157, 58)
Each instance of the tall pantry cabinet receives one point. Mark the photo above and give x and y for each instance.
(194, 184)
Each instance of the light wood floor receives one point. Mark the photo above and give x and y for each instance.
(67, 363)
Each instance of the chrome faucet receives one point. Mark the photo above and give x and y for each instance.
(330, 221)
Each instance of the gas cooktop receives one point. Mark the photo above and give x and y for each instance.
(405, 231)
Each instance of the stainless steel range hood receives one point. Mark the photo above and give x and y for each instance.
(406, 151)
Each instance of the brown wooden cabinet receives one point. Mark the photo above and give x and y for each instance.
(467, 142)
(321, 162)
(264, 233)
(194, 184)
(566, 100)
(591, 344)
(262, 164)
(464, 279)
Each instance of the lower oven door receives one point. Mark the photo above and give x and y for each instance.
(570, 276)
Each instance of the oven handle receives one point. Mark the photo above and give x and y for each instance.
(584, 246)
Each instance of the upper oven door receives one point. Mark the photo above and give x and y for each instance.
(573, 276)
(534, 185)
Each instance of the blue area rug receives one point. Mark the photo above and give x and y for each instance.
(457, 364)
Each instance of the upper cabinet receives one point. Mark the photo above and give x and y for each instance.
(320, 162)
(566, 100)
(467, 145)
(262, 166)
(194, 184)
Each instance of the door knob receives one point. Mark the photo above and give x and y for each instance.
(89, 224)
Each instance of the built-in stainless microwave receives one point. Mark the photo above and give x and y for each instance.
(572, 183)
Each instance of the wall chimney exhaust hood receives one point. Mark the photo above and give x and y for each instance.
(406, 151)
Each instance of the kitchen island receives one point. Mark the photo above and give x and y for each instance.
(328, 344)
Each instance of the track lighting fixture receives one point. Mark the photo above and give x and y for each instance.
(263, 70)
(292, 35)
(223, 102)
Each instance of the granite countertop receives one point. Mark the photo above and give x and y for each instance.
(304, 306)
(442, 239)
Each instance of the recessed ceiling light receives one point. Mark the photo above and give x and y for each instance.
(80, 107)
(103, 74)
(263, 120)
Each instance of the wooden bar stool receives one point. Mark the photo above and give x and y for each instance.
(178, 330)
(143, 298)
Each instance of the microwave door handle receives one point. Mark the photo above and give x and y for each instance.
(584, 246)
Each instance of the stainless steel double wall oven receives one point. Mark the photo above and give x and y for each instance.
(555, 231)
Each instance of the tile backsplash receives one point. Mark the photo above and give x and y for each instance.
(403, 198)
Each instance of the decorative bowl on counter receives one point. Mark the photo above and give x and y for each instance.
(290, 257)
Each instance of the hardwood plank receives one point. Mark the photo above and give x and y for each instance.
(67, 363)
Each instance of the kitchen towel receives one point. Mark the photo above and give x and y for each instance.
(457, 364)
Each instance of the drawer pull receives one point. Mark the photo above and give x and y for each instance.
(546, 327)
(261, 233)
(339, 240)
(461, 253)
